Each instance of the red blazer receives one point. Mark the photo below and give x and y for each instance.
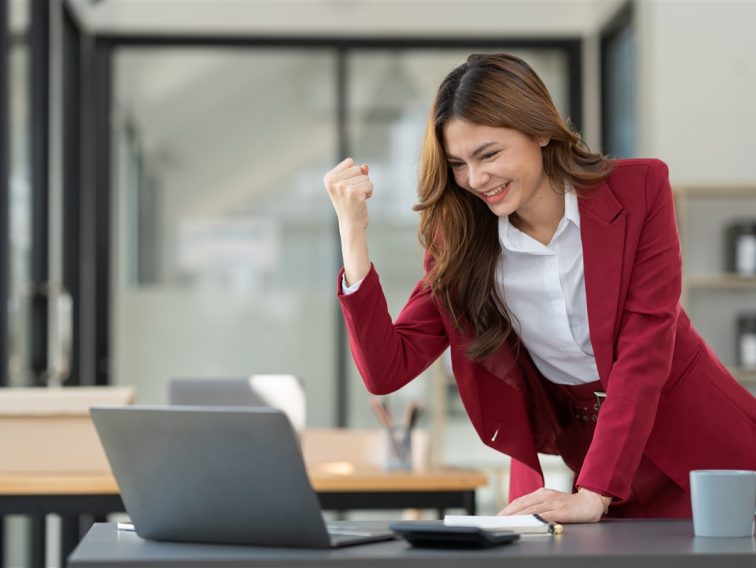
(668, 396)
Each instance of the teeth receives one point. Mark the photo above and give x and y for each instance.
(496, 191)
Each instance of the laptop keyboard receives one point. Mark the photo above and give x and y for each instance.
(346, 529)
(346, 532)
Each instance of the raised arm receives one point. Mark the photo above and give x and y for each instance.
(388, 354)
(349, 188)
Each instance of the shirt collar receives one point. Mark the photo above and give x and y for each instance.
(571, 212)
(513, 239)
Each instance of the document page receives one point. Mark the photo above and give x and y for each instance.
(523, 524)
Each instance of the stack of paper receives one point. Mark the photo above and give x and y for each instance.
(523, 524)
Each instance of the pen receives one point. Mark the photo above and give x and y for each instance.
(417, 410)
(385, 406)
(409, 412)
(554, 528)
(380, 413)
(380, 409)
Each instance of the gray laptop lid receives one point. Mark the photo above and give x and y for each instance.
(203, 474)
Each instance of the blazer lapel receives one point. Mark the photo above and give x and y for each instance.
(602, 228)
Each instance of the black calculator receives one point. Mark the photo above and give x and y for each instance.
(438, 535)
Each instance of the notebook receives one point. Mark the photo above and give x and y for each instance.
(218, 475)
(521, 524)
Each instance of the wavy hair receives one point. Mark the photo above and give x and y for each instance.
(457, 229)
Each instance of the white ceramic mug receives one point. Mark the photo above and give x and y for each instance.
(723, 502)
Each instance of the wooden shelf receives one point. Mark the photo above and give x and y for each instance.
(703, 212)
(719, 281)
(713, 191)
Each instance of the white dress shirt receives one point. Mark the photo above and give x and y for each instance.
(544, 289)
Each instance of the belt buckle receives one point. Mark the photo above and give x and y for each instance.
(600, 399)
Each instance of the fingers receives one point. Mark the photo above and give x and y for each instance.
(345, 163)
(349, 178)
(522, 508)
(345, 169)
(536, 503)
(334, 177)
(556, 506)
(522, 503)
(359, 187)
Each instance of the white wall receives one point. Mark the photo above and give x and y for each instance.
(697, 89)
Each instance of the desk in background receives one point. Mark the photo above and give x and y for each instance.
(606, 544)
(340, 486)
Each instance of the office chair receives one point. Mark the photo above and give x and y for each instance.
(285, 392)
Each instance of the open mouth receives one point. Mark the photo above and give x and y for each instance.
(497, 194)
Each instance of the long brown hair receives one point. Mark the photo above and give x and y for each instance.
(458, 230)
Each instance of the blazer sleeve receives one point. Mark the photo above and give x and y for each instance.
(390, 354)
(644, 347)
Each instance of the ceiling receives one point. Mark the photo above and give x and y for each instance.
(551, 18)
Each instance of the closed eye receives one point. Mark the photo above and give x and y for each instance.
(490, 155)
(456, 165)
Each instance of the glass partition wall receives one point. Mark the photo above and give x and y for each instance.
(224, 246)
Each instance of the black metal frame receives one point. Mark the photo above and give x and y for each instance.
(622, 20)
(39, 40)
(100, 194)
(71, 229)
(98, 149)
(87, 203)
(83, 249)
(341, 349)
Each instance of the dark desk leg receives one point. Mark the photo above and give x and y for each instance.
(37, 541)
(69, 535)
(469, 500)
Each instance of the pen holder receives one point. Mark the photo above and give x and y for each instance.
(398, 448)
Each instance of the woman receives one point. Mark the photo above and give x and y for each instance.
(553, 274)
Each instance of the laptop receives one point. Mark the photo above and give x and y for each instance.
(218, 475)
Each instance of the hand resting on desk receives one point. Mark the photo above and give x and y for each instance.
(582, 507)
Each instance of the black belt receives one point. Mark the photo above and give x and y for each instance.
(585, 412)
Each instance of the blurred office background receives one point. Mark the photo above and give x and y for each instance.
(163, 212)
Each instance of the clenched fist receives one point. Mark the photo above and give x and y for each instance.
(349, 187)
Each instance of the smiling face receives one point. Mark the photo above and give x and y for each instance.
(501, 166)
